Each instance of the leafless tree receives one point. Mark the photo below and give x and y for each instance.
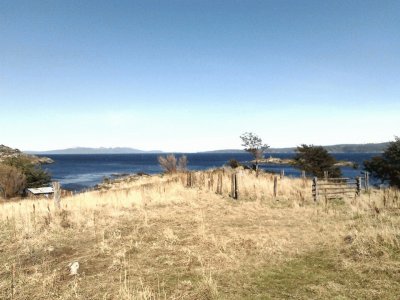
(170, 164)
(182, 163)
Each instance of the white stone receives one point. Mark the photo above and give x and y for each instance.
(73, 268)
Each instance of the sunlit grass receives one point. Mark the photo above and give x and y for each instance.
(155, 238)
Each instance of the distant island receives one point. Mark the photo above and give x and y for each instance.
(101, 150)
(341, 148)
(288, 161)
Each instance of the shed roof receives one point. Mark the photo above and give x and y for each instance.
(41, 190)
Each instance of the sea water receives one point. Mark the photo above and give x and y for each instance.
(81, 171)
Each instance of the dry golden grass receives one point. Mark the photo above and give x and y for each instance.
(154, 238)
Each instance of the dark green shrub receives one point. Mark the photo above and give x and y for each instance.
(35, 175)
(315, 160)
(233, 163)
(386, 167)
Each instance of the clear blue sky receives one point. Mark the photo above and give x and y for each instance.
(193, 75)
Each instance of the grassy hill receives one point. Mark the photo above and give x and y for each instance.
(154, 238)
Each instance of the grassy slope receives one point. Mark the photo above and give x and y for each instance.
(171, 242)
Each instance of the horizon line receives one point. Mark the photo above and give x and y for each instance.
(199, 151)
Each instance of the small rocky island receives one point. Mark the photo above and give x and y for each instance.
(7, 152)
(289, 161)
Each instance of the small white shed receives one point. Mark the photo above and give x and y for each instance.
(40, 192)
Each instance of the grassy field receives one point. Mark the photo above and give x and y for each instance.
(155, 238)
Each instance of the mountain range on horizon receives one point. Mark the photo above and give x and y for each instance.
(100, 150)
(339, 148)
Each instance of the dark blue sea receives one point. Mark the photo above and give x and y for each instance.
(81, 171)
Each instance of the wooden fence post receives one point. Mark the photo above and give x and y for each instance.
(193, 179)
(275, 185)
(234, 187)
(219, 184)
(282, 173)
(202, 180)
(56, 194)
(315, 189)
(303, 174)
(366, 181)
(189, 179)
(358, 184)
(326, 175)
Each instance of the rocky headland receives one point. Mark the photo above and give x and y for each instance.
(7, 152)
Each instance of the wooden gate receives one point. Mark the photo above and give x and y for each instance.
(331, 188)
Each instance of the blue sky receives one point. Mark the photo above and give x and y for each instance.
(194, 75)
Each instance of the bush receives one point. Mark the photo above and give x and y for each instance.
(12, 181)
(169, 163)
(35, 175)
(315, 160)
(386, 167)
(233, 163)
(182, 163)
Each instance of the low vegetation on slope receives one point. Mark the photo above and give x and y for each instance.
(19, 171)
(156, 238)
(9, 153)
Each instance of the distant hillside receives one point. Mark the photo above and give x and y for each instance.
(360, 148)
(341, 148)
(224, 151)
(84, 150)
